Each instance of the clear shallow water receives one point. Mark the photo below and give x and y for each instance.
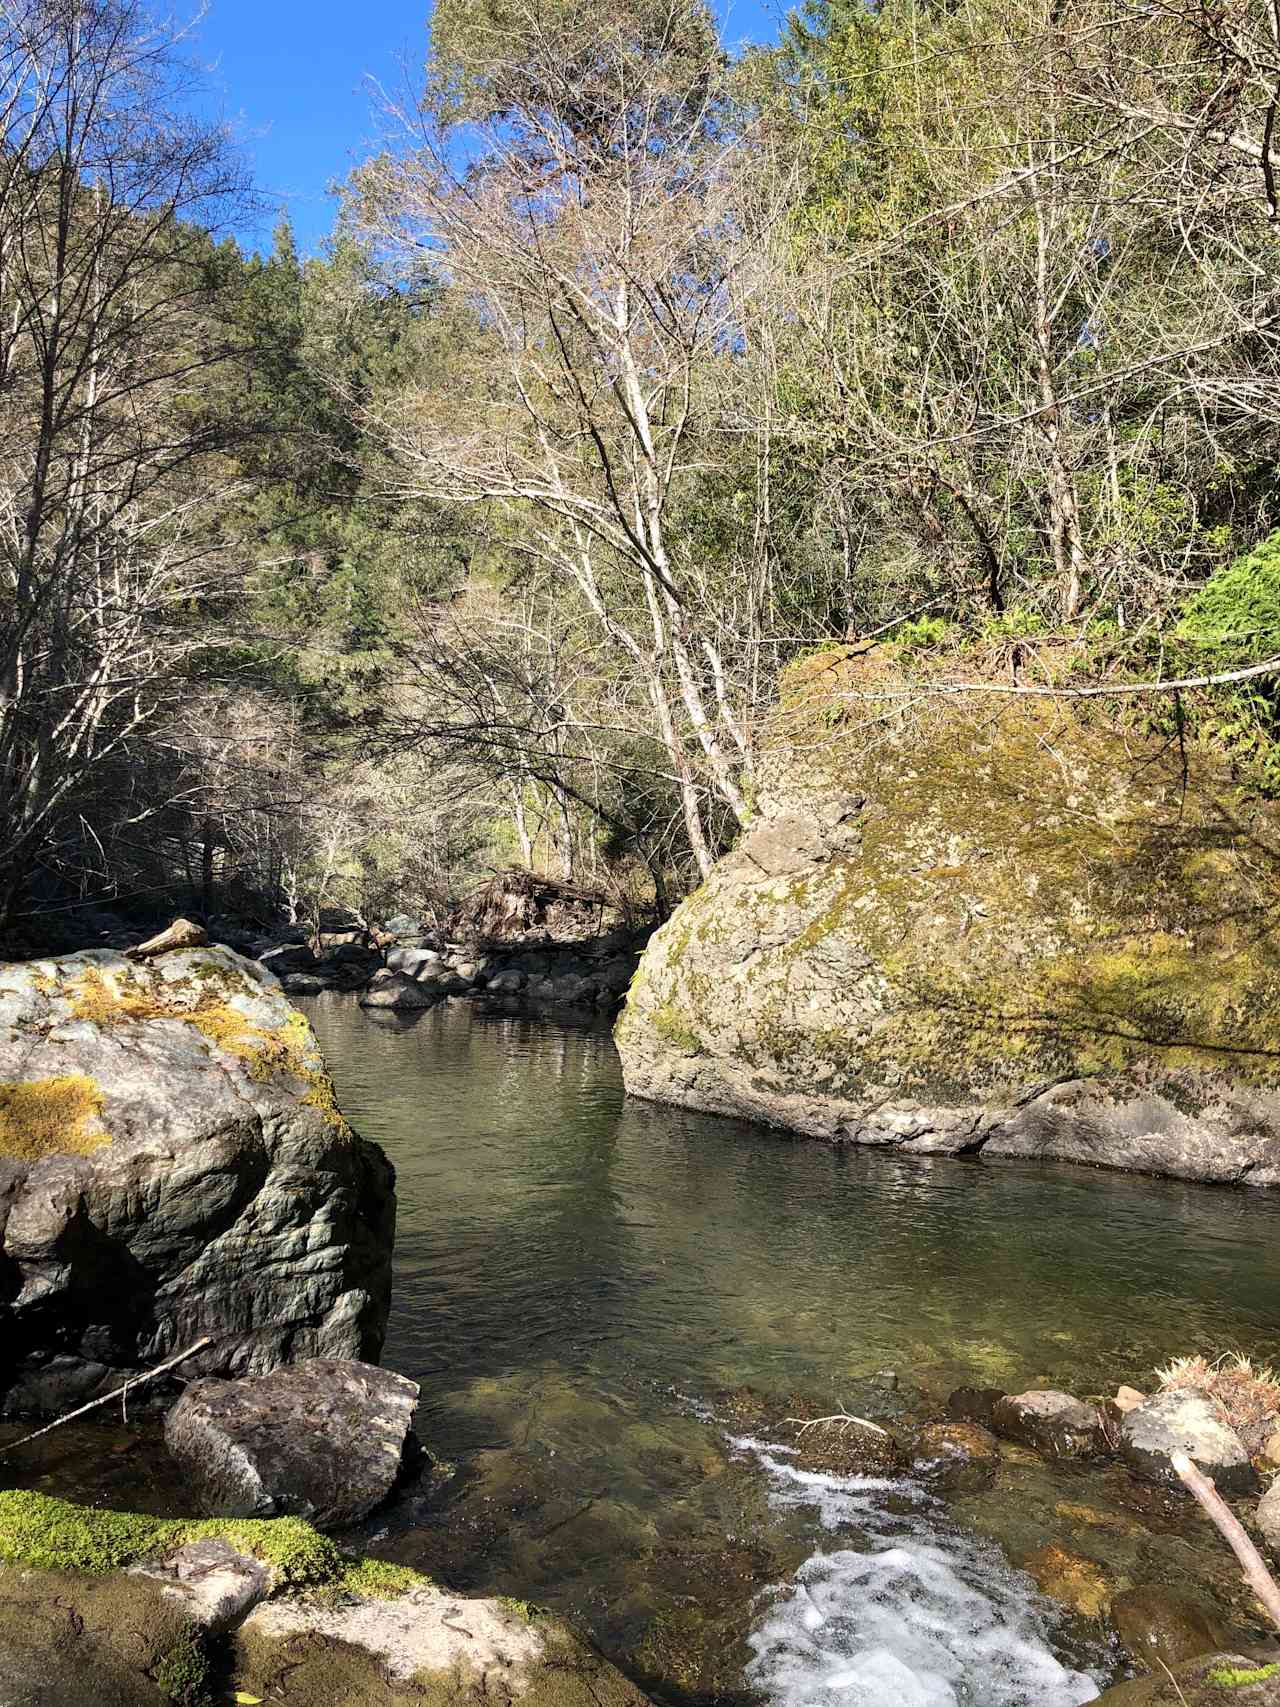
(581, 1278)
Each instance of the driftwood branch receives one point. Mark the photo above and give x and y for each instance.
(121, 1393)
(1256, 1574)
(840, 1419)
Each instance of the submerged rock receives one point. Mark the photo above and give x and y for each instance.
(173, 1166)
(961, 1457)
(1006, 928)
(1185, 1421)
(1163, 1626)
(322, 1440)
(1055, 1424)
(1075, 1582)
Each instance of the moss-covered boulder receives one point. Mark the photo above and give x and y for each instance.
(124, 1610)
(173, 1166)
(970, 922)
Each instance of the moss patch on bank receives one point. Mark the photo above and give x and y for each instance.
(46, 1117)
(55, 1535)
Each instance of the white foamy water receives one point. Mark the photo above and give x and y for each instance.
(917, 1614)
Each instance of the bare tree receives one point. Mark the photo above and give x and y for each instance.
(591, 229)
(107, 552)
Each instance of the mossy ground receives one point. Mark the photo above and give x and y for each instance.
(46, 1117)
(51, 1534)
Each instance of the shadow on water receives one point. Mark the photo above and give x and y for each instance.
(579, 1276)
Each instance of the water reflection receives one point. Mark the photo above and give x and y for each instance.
(569, 1262)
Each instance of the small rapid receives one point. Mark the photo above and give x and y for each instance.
(916, 1613)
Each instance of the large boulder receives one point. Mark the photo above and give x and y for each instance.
(173, 1167)
(965, 923)
(1185, 1421)
(322, 1440)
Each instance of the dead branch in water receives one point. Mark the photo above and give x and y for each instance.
(1256, 1574)
(840, 1419)
(121, 1393)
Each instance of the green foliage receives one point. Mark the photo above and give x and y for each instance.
(1230, 622)
(184, 1673)
(1237, 611)
(920, 634)
(1018, 622)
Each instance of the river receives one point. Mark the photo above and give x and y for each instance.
(584, 1282)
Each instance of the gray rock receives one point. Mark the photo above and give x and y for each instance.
(1268, 1517)
(322, 1440)
(1053, 1423)
(288, 957)
(443, 1646)
(1254, 1681)
(508, 983)
(387, 989)
(172, 1166)
(414, 962)
(1183, 1420)
(214, 1582)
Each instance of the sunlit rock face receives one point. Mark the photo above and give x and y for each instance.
(971, 924)
(173, 1166)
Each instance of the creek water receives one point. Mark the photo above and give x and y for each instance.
(585, 1284)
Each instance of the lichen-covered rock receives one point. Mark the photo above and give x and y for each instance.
(1185, 1421)
(322, 1439)
(425, 1648)
(70, 1640)
(977, 924)
(173, 1165)
(115, 1609)
(1056, 1424)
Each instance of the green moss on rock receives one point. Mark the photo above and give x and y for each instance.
(1012, 894)
(52, 1534)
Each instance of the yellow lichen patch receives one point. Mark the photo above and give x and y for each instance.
(50, 1117)
(287, 1049)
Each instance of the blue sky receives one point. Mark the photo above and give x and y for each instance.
(291, 78)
